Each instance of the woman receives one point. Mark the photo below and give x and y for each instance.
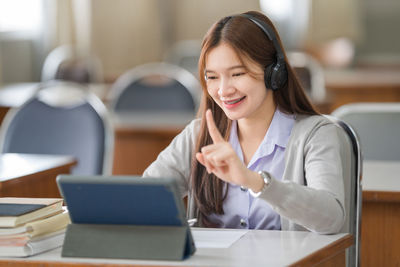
(260, 157)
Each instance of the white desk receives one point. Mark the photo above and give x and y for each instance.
(30, 175)
(255, 248)
(14, 95)
(381, 176)
(380, 231)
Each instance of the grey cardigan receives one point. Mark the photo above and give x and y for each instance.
(310, 195)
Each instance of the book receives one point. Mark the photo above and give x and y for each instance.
(23, 238)
(34, 246)
(38, 227)
(16, 211)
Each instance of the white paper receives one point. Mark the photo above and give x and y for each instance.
(216, 239)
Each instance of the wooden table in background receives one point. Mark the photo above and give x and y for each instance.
(255, 248)
(139, 138)
(362, 85)
(31, 175)
(380, 224)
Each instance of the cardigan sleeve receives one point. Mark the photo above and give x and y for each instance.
(314, 197)
(175, 160)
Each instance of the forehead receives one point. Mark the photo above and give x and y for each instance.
(224, 57)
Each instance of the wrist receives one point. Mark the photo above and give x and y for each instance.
(257, 182)
(266, 180)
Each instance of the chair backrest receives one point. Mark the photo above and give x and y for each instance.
(353, 191)
(65, 63)
(310, 74)
(62, 118)
(378, 126)
(155, 87)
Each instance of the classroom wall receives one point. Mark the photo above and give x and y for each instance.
(132, 32)
(381, 39)
(16, 60)
(126, 33)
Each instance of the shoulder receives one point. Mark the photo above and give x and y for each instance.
(194, 125)
(192, 129)
(308, 126)
(188, 136)
(311, 121)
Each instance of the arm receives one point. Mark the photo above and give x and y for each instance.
(318, 205)
(314, 158)
(175, 159)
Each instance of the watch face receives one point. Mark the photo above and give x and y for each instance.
(266, 177)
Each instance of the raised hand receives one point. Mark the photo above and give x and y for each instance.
(220, 158)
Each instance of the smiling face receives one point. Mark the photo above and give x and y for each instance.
(237, 87)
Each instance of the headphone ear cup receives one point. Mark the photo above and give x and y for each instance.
(278, 76)
(268, 75)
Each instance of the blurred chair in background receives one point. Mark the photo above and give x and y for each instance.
(155, 87)
(185, 54)
(62, 118)
(353, 192)
(65, 63)
(310, 73)
(378, 126)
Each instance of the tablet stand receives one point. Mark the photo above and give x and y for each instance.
(128, 241)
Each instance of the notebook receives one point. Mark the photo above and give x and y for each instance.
(16, 211)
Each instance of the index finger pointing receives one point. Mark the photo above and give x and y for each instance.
(212, 128)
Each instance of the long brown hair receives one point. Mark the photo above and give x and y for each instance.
(248, 40)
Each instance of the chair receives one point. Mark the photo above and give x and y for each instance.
(378, 125)
(65, 63)
(310, 73)
(155, 87)
(353, 191)
(62, 118)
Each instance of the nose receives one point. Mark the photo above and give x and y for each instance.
(225, 87)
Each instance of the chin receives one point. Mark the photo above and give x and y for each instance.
(234, 115)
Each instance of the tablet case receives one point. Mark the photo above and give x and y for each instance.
(125, 217)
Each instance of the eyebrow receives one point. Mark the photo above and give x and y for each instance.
(230, 68)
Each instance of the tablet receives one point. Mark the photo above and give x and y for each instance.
(125, 200)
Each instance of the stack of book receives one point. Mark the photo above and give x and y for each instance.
(29, 226)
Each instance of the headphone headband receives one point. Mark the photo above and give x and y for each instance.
(275, 75)
(267, 29)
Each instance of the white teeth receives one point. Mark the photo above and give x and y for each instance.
(234, 101)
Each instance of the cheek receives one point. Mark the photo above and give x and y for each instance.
(253, 88)
(261, 94)
(213, 93)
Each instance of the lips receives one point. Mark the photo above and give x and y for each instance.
(233, 103)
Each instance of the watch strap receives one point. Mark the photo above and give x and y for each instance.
(266, 176)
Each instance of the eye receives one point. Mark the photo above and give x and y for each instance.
(211, 77)
(238, 74)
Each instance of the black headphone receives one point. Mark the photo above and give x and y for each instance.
(275, 75)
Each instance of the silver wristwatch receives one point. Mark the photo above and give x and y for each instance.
(266, 176)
